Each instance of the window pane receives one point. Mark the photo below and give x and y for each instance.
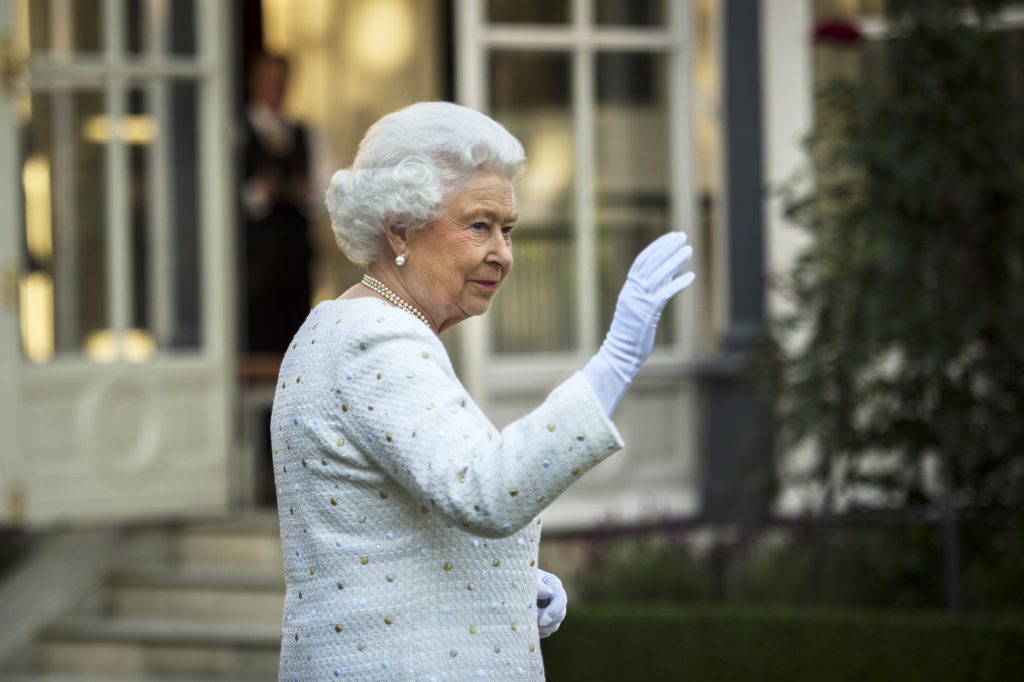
(160, 130)
(536, 311)
(632, 175)
(160, 27)
(528, 11)
(64, 267)
(707, 150)
(75, 27)
(630, 12)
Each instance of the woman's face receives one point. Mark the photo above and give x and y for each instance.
(457, 263)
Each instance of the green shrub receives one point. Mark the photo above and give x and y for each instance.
(643, 642)
(897, 566)
(884, 566)
(993, 572)
(649, 569)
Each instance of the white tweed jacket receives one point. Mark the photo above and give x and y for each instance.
(408, 522)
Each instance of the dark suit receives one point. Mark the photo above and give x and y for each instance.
(278, 253)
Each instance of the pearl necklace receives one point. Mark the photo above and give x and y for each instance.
(394, 299)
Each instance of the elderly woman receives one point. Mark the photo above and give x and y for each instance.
(410, 523)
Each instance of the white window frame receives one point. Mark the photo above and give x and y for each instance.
(485, 372)
(116, 72)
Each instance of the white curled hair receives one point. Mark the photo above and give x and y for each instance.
(409, 165)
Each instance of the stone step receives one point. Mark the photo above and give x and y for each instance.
(125, 647)
(205, 595)
(251, 542)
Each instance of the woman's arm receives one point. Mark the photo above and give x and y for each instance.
(396, 396)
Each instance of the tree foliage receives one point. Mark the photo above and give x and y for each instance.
(907, 338)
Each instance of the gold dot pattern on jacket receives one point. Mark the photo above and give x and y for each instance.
(410, 549)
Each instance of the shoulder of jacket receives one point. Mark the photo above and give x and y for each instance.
(362, 323)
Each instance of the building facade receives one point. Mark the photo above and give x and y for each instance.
(119, 379)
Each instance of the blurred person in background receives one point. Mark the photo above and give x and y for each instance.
(409, 523)
(275, 202)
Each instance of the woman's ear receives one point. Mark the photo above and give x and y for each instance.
(397, 239)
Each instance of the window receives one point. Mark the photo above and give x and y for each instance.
(111, 178)
(598, 92)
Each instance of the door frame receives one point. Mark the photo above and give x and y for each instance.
(211, 366)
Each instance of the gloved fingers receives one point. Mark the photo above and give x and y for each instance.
(547, 632)
(670, 267)
(675, 286)
(544, 591)
(544, 582)
(551, 616)
(555, 610)
(655, 253)
(552, 582)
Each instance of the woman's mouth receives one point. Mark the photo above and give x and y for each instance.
(488, 284)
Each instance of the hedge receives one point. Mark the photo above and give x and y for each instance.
(627, 643)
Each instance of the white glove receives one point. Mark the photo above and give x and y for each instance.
(651, 283)
(551, 603)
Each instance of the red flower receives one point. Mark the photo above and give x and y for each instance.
(837, 33)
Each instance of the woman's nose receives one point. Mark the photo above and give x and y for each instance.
(501, 251)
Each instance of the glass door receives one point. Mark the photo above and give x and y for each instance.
(115, 224)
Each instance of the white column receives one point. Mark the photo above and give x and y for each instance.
(160, 211)
(584, 190)
(788, 111)
(470, 62)
(119, 294)
(788, 117)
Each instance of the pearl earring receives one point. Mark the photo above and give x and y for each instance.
(400, 260)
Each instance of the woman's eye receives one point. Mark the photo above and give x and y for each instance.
(479, 227)
(506, 231)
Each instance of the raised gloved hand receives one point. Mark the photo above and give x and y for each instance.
(551, 603)
(651, 283)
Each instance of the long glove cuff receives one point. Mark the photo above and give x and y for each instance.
(609, 385)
